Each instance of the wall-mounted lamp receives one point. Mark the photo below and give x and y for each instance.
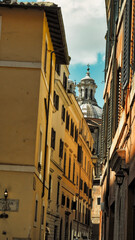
(120, 175)
(5, 194)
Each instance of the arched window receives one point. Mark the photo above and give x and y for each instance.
(91, 94)
(86, 93)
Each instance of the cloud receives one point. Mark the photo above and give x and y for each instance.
(85, 28)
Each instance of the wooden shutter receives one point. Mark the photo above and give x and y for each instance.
(126, 47)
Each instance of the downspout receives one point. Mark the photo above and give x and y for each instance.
(47, 107)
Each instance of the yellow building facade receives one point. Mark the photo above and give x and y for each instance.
(70, 180)
(28, 54)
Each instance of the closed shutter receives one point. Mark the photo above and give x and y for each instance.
(126, 47)
(102, 136)
(104, 132)
(110, 109)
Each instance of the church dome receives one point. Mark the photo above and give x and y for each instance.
(88, 104)
(91, 111)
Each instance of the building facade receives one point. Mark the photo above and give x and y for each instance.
(30, 47)
(93, 116)
(118, 126)
(70, 185)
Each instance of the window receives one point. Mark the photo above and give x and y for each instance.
(85, 187)
(40, 152)
(46, 50)
(86, 93)
(90, 195)
(69, 169)
(55, 232)
(80, 212)
(53, 139)
(64, 81)
(63, 113)
(79, 158)
(0, 25)
(63, 199)
(50, 185)
(61, 149)
(77, 180)
(98, 201)
(81, 184)
(74, 172)
(61, 223)
(73, 205)
(36, 209)
(76, 134)
(72, 128)
(68, 202)
(85, 163)
(65, 163)
(67, 121)
(56, 101)
(91, 94)
(58, 192)
(43, 212)
(57, 68)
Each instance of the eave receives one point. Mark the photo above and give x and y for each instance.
(55, 23)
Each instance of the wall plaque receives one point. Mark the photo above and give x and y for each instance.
(11, 205)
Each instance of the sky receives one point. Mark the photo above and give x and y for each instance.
(85, 28)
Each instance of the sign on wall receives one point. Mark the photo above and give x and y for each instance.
(11, 205)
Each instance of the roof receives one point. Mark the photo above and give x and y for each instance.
(55, 23)
(91, 111)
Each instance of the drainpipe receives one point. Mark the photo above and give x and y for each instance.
(47, 107)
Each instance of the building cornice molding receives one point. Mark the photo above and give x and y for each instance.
(18, 64)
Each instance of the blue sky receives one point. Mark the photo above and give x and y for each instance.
(78, 71)
(85, 28)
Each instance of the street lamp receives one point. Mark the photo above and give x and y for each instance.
(120, 175)
(6, 194)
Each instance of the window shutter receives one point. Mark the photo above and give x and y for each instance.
(126, 50)
(102, 134)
